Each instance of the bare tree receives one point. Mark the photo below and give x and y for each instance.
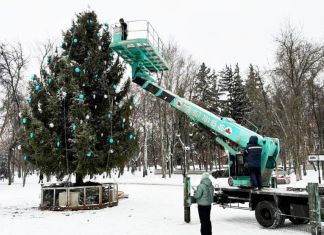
(298, 61)
(12, 64)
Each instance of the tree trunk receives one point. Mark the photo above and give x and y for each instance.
(162, 144)
(145, 139)
(78, 179)
(9, 166)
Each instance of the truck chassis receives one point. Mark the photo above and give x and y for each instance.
(271, 205)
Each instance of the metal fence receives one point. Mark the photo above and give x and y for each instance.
(79, 197)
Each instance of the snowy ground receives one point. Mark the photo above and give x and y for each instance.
(154, 207)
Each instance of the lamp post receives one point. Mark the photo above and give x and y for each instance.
(186, 184)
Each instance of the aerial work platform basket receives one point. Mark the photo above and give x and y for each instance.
(143, 45)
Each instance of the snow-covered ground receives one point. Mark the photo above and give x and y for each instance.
(154, 207)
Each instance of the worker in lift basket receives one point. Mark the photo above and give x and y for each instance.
(123, 26)
(204, 196)
(254, 151)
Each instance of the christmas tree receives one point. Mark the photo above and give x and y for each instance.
(79, 116)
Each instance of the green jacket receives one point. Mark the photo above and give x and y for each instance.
(204, 193)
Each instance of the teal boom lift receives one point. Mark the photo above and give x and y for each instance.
(143, 51)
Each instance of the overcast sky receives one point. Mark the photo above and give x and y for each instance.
(218, 32)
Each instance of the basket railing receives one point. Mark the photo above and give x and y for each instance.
(139, 29)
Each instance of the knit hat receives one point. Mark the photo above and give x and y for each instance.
(205, 175)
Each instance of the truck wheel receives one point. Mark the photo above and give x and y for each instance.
(268, 215)
(298, 220)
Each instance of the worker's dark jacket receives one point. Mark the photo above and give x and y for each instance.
(254, 151)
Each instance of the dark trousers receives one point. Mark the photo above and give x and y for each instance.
(204, 216)
(255, 174)
(124, 35)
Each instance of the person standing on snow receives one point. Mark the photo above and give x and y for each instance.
(204, 196)
(254, 151)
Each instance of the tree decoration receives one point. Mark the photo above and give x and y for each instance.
(25, 157)
(105, 96)
(37, 87)
(19, 147)
(81, 96)
(49, 81)
(131, 137)
(87, 117)
(124, 119)
(24, 121)
(114, 86)
(77, 70)
(74, 126)
(98, 34)
(51, 125)
(109, 115)
(33, 77)
(75, 40)
(58, 144)
(123, 125)
(29, 100)
(133, 101)
(89, 154)
(110, 140)
(31, 135)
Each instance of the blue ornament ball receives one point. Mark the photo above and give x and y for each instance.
(58, 144)
(75, 40)
(89, 154)
(37, 87)
(77, 70)
(131, 137)
(74, 126)
(81, 96)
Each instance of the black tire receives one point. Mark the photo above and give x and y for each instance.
(298, 220)
(268, 215)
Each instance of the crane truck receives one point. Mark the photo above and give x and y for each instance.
(143, 50)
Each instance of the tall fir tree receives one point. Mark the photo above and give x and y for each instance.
(240, 104)
(226, 87)
(206, 91)
(236, 104)
(79, 119)
(258, 99)
(205, 94)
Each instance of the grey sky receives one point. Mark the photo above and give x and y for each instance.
(218, 32)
